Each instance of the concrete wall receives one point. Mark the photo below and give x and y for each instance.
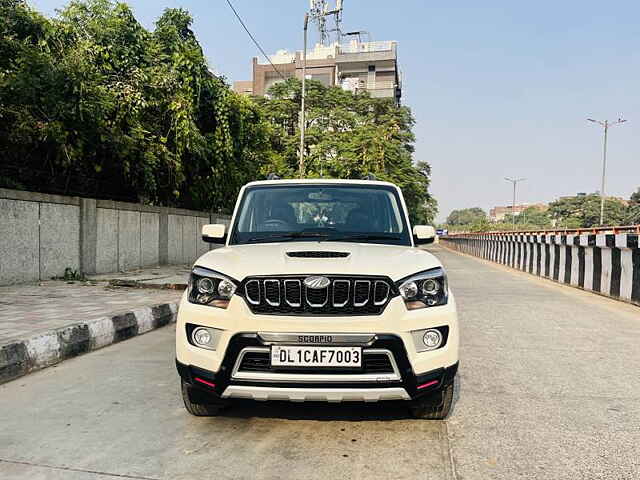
(607, 264)
(41, 235)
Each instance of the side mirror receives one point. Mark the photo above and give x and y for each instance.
(214, 233)
(423, 234)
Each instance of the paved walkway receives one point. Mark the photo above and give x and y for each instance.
(26, 310)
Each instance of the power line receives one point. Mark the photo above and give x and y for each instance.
(254, 40)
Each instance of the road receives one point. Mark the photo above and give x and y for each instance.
(549, 388)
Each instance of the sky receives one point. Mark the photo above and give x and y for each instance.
(498, 88)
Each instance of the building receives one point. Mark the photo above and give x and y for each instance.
(497, 214)
(355, 66)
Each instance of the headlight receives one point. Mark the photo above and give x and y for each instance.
(424, 289)
(207, 287)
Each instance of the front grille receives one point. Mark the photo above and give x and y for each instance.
(345, 295)
(371, 363)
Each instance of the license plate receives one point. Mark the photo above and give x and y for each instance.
(303, 356)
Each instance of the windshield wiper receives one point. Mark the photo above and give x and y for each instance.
(290, 235)
(365, 236)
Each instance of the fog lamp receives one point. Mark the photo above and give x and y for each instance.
(432, 339)
(202, 337)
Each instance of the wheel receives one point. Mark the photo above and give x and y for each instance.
(209, 409)
(434, 407)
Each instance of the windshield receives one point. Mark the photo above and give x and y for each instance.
(353, 213)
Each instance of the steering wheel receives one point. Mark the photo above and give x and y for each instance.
(275, 224)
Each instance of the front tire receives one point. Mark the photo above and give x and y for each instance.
(434, 407)
(209, 409)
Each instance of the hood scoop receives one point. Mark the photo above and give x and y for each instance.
(317, 254)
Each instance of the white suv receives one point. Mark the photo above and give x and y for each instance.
(318, 294)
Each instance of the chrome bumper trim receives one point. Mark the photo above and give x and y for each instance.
(316, 394)
(319, 377)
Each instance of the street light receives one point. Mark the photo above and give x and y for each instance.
(513, 208)
(605, 125)
(302, 112)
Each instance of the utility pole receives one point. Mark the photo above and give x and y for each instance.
(513, 208)
(302, 112)
(605, 125)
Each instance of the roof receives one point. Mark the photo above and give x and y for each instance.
(320, 181)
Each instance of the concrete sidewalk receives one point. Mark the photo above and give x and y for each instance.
(42, 324)
(166, 276)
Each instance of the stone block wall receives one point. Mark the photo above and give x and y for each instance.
(41, 235)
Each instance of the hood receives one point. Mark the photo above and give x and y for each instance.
(240, 261)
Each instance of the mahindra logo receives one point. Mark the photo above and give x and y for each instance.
(316, 283)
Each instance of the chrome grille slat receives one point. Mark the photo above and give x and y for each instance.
(384, 285)
(316, 305)
(333, 293)
(286, 293)
(355, 292)
(271, 301)
(248, 295)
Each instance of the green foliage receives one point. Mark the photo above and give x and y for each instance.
(72, 275)
(467, 216)
(347, 136)
(584, 211)
(632, 215)
(91, 103)
(534, 217)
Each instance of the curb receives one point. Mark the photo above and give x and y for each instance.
(44, 349)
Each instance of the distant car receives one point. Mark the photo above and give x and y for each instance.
(318, 295)
(442, 231)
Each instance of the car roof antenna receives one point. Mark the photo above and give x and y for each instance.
(273, 176)
(369, 176)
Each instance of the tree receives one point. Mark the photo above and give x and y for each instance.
(584, 211)
(632, 216)
(467, 216)
(348, 136)
(93, 104)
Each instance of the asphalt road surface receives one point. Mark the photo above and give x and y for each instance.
(549, 388)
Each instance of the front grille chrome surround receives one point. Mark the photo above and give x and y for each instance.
(267, 296)
(247, 287)
(323, 291)
(355, 293)
(336, 283)
(287, 297)
(344, 296)
(383, 286)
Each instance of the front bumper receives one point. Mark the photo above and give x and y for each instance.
(214, 372)
(226, 383)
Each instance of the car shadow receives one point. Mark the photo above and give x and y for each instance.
(351, 411)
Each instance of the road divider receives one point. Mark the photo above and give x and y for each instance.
(607, 264)
(43, 349)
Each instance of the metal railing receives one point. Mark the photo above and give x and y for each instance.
(558, 231)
